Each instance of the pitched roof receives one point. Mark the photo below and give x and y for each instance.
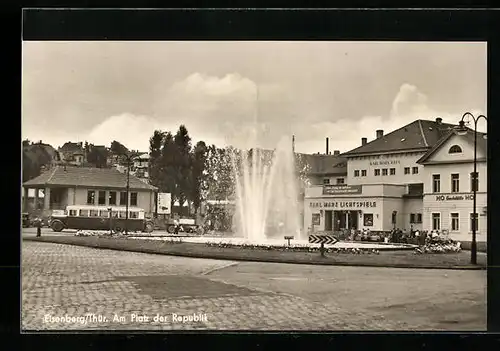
(325, 164)
(87, 177)
(71, 147)
(482, 143)
(420, 134)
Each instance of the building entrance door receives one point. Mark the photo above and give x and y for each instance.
(328, 220)
(353, 220)
(339, 220)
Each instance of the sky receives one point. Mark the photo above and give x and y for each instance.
(245, 93)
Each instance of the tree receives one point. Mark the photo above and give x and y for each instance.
(220, 177)
(97, 156)
(155, 150)
(198, 174)
(167, 168)
(26, 142)
(182, 142)
(118, 148)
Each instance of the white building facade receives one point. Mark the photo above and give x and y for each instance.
(388, 184)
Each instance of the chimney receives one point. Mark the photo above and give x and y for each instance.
(380, 133)
(439, 120)
(364, 141)
(326, 146)
(336, 153)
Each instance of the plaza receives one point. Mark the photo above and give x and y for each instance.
(75, 288)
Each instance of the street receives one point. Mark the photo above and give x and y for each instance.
(78, 288)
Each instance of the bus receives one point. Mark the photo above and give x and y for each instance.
(112, 218)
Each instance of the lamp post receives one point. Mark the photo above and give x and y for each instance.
(463, 131)
(129, 159)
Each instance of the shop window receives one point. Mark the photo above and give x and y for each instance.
(90, 197)
(316, 219)
(73, 213)
(415, 170)
(340, 181)
(368, 219)
(102, 198)
(123, 198)
(392, 171)
(326, 181)
(474, 182)
(436, 183)
(474, 222)
(436, 221)
(377, 172)
(455, 222)
(94, 213)
(356, 173)
(133, 214)
(455, 149)
(133, 199)
(455, 183)
(104, 213)
(122, 214)
(407, 170)
(363, 173)
(84, 213)
(384, 171)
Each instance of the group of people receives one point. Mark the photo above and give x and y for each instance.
(413, 236)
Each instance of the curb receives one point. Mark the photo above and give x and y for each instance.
(225, 257)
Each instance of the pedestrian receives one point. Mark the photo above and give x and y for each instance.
(417, 236)
(38, 224)
(176, 226)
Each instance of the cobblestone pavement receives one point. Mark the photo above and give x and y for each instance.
(78, 288)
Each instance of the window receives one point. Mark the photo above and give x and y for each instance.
(419, 218)
(84, 213)
(114, 214)
(455, 149)
(412, 218)
(133, 199)
(474, 182)
(123, 198)
(455, 183)
(104, 213)
(315, 219)
(436, 221)
(415, 218)
(94, 213)
(415, 170)
(123, 214)
(368, 219)
(102, 198)
(112, 198)
(407, 170)
(339, 181)
(384, 171)
(356, 173)
(363, 173)
(436, 183)
(377, 172)
(392, 171)
(73, 213)
(90, 197)
(133, 214)
(326, 181)
(474, 222)
(454, 222)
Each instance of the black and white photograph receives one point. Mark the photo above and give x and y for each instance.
(254, 185)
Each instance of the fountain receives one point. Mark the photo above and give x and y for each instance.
(266, 193)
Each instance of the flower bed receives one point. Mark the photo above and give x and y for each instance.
(349, 250)
(93, 233)
(439, 246)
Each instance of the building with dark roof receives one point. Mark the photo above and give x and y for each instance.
(67, 185)
(388, 181)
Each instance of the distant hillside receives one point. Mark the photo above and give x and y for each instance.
(35, 156)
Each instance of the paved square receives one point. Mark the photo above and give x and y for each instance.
(70, 287)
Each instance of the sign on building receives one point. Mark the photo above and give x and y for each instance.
(341, 189)
(163, 204)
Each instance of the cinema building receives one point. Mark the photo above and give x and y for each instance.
(389, 183)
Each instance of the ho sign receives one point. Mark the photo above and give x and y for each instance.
(163, 204)
(454, 197)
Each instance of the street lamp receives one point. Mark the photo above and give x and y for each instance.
(463, 131)
(129, 159)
